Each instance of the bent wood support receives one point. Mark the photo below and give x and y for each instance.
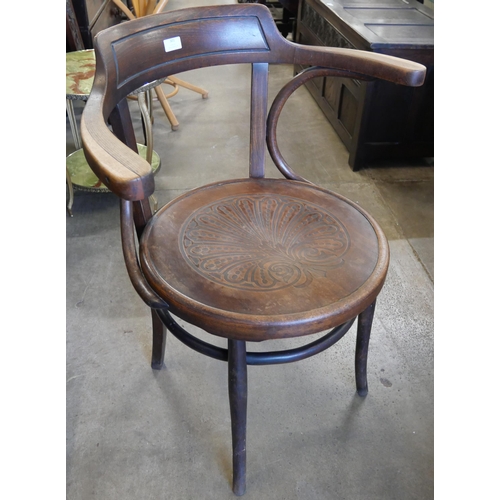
(159, 341)
(255, 358)
(237, 382)
(365, 320)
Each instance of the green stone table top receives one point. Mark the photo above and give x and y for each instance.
(80, 71)
(84, 179)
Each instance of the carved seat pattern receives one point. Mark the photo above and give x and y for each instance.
(263, 242)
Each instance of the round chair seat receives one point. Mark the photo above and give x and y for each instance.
(256, 259)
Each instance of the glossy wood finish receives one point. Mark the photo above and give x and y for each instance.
(287, 22)
(159, 340)
(145, 8)
(205, 43)
(248, 259)
(365, 320)
(237, 383)
(264, 258)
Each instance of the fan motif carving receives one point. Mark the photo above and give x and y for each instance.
(256, 242)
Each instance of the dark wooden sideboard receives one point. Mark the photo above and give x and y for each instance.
(375, 120)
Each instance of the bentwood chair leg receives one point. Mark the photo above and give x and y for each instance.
(159, 341)
(365, 320)
(237, 378)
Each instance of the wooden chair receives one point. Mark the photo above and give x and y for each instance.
(248, 259)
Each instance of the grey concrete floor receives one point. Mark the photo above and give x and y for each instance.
(135, 433)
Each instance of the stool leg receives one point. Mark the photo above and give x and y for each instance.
(365, 320)
(174, 124)
(237, 378)
(189, 86)
(159, 341)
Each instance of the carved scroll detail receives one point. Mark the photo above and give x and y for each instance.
(256, 242)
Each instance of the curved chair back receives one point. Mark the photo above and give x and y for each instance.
(140, 51)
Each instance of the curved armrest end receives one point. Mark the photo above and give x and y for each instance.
(364, 63)
(122, 170)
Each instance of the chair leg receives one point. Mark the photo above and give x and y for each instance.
(237, 378)
(159, 341)
(365, 320)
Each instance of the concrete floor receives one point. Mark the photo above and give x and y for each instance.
(135, 433)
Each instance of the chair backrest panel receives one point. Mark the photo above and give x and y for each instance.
(171, 43)
(173, 48)
(138, 52)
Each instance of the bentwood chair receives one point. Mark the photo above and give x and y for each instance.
(249, 259)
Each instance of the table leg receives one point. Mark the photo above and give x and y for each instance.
(71, 193)
(142, 99)
(73, 124)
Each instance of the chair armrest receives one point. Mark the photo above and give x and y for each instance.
(120, 168)
(363, 63)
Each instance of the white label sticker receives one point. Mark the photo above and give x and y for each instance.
(172, 44)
